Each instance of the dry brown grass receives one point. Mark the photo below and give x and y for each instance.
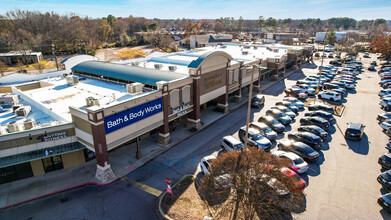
(185, 203)
(131, 53)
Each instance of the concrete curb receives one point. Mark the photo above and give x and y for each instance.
(153, 157)
(159, 210)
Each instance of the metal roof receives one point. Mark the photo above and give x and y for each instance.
(196, 63)
(127, 72)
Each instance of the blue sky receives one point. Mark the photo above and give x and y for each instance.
(248, 9)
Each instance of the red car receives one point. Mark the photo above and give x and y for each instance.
(300, 183)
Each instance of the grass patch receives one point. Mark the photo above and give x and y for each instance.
(131, 53)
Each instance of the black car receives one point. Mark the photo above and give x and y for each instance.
(385, 202)
(335, 63)
(385, 180)
(374, 63)
(384, 81)
(388, 146)
(289, 105)
(320, 106)
(315, 120)
(299, 148)
(308, 138)
(385, 161)
(272, 123)
(257, 101)
(354, 131)
(371, 68)
(328, 86)
(280, 116)
(315, 130)
(386, 85)
(325, 115)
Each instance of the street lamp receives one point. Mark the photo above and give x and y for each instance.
(320, 70)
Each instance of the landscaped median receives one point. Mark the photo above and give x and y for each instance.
(184, 203)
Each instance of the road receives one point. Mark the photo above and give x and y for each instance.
(341, 185)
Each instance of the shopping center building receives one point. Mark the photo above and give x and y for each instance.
(103, 106)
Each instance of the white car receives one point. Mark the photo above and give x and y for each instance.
(386, 124)
(294, 101)
(305, 88)
(298, 164)
(348, 84)
(204, 165)
(221, 182)
(229, 143)
(330, 95)
(314, 79)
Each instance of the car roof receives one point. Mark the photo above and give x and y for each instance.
(259, 124)
(354, 125)
(289, 155)
(232, 139)
(208, 158)
(305, 133)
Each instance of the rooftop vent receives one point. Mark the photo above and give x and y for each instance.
(91, 101)
(14, 107)
(244, 52)
(23, 111)
(246, 46)
(134, 88)
(158, 66)
(173, 68)
(9, 99)
(29, 124)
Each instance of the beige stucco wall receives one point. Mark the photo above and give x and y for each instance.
(73, 159)
(37, 167)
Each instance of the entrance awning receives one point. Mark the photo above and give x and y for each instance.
(40, 154)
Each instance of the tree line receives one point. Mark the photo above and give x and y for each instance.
(34, 30)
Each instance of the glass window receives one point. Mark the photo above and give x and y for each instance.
(186, 94)
(174, 98)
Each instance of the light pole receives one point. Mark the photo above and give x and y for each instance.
(320, 71)
(54, 54)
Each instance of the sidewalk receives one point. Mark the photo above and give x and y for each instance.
(122, 160)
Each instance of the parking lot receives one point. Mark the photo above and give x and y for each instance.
(342, 183)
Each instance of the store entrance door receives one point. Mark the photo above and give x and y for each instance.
(52, 163)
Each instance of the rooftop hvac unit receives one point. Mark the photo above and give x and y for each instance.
(275, 50)
(135, 63)
(244, 52)
(13, 126)
(172, 68)
(9, 99)
(223, 46)
(23, 111)
(255, 47)
(91, 101)
(246, 46)
(72, 80)
(15, 107)
(29, 124)
(134, 88)
(158, 66)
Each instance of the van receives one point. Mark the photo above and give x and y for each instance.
(229, 143)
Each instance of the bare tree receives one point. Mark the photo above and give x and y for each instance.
(252, 182)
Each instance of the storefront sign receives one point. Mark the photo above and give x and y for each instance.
(180, 109)
(53, 136)
(130, 116)
(212, 81)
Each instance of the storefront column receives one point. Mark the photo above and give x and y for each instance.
(194, 119)
(104, 173)
(164, 130)
(238, 93)
(275, 76)
(283, 70)
(222, 103)
(257, 83)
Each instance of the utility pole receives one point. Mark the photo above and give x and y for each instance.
(54, 54)
(320, 70)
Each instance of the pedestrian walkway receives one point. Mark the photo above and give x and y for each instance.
(123, 160)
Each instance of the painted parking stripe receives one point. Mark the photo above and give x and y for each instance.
(147, 189)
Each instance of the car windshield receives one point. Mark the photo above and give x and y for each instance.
(298, 160)
(267, 130)
(281, 114)
(297, 177)
(256, 99)
(353, 131)
(307, 150)
(388, 175)
(238, 146)
(285, 110)
(257, 136)
(274, 122)
(386, 158)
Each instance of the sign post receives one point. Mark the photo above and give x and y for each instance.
(168, 182)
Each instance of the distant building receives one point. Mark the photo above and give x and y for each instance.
(209, 40)
(26, 57)
(321, 36)
(280, 36)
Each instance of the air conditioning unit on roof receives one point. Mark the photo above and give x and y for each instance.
(13, 126)
(23, 111)
(134, 88)
(158, 66)
(72, 80)
(91, 101)
(29, 124)
(244, 52)
(15, 107)
(173, 68)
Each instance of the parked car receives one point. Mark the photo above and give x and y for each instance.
(286, 110)
(386, 85)
(366, 56)
(298, 164)
(384, 81)
(328, 86)
(257, 101)
(385, 180)
(321, 106)
(385, 161)
(299, 148)
(335, 63)
(331, 55)
(318, 121)
(308, 138)
(340, 91)
(354, 131)
(385, 202)
(374, 63)
(315, 130)
(272, 123)
(329, 95)
(299, 104)
(384, 101)
(229, 143)
(384, 92)
(295, 93)
(264, 129)
(221, 182)
(305, 88)
(371, 68)
(383, 116)
(255, 138)
(280, 116)
(204, 165)
(386, 124)
(348, 84)
(319, 113)
(299, 183)
(313, 79)
(289, 105)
